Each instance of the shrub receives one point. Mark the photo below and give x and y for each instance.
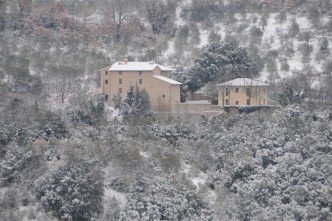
(120, 184)
(51, 125)
(18, 163)
(73, 192)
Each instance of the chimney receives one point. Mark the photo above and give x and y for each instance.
(126, 61)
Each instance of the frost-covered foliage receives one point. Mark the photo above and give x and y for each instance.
(220, 61)
(89, 112)
(161, 200)
(135, 105)
(173, 132)
(51, 125)
(19, 164)
(273, 166)
(73, 192)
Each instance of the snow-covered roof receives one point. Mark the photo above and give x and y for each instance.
(168, 80)
(247, 82)
(105, 68)
(164, 68)
(197, 102)
(137, 66)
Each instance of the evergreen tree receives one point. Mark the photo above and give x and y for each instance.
(136, 104)
(293, 29)
(220, 62)
(73, 192)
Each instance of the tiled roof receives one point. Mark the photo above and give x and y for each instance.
(247, 82)
(168, 80)
(137, 66)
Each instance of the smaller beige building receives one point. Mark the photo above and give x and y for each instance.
(164, 92)
(242, 92)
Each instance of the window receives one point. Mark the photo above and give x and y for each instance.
(120, 72)
(140, 73)
(248, 101)
(248, 91)
(227, 102)
(140, 81)
(237, 90)
(163, 95)
(120, 81)
(120, 90)
(106, 97)
(106, 81)
(237, 102)
(227, 92)
(106, 73)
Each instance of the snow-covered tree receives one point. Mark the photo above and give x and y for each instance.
(74, 192)
(136, 105)
(220, 62)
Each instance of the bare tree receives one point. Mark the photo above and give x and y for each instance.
(120, 11)
(62, 86)
(62, 78)
(158, 15)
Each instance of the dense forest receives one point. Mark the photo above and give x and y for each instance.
(65, 154)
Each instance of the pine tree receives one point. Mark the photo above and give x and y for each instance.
(136, 104)
(220, 62)
(73, 192)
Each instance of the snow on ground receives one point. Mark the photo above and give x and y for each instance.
(179, 21)
(145, 154)
(110, 174)
(196, 179)
(200, 179)
(111, 112)
(170, 50)
(204, 37)
(120, 197)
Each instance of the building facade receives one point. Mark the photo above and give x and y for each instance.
(242, 92)
(164, 92)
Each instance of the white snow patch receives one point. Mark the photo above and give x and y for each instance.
(120, 197)
(204, 37)
(200, 179)
(145, 154)
(186, 168)
(179, 21)
(303, 22)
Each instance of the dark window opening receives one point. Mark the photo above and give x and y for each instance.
(227, 102)
(163, 95)
(248, 101)
(120, 81)
(106, 81)
(237, 102)
(248, 91)
(120, 72)
(106, 73)
(120, 90)
(140, 81)
(237, 90)
(227, 92)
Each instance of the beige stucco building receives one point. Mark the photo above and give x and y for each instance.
(164, 92)
(242, 92)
